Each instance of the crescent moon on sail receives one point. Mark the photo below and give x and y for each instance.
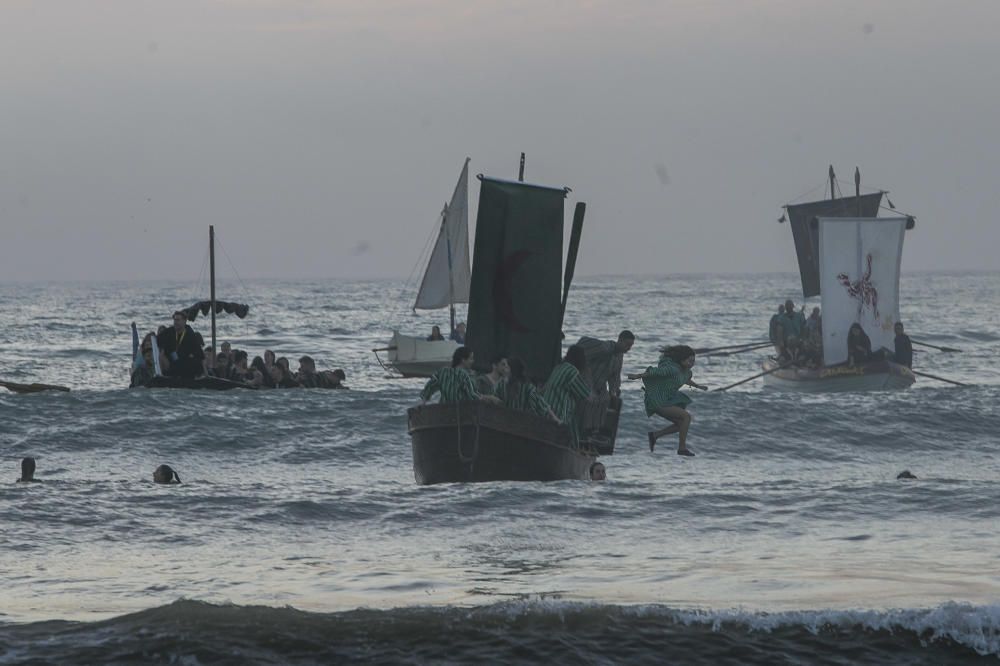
(503, 295)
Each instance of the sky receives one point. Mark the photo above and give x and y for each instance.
(322, 138)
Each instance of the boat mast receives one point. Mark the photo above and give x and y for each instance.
(520, 171)
(451, 283)
(833, 184)
(211, 271)
(857, 188)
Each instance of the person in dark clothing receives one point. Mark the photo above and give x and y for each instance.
(859, 345)
(904, 348)
(27, 471)
(166, 474)
(182, 347)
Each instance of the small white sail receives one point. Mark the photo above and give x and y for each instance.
(447, 277)
(859, 280)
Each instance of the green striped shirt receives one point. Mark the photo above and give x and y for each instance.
(564, 389)
(663, 383)
(525, 398)
(454, 384)
(486, 387)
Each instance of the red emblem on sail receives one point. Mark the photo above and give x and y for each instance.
(862, 289)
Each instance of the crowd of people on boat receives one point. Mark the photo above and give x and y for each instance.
(580, 390)
(183, 353)
(798, 340)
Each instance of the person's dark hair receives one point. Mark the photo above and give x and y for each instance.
(677, 353)
(307, 359)
(516, 376)
(258, 364)
(340, 374)
(576, 357)
(180, 313)
(626, 335)
(594, 466)
(239, 355)
(460, 355)
(208, 349)
(27, 469)
(282, 361)
(499, 356)
(166, 474)
(855, 327)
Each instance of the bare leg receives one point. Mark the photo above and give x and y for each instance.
(680, 421)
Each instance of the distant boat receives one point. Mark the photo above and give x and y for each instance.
(211, 306)
(851, 258)
(445, 282)
(515, 307)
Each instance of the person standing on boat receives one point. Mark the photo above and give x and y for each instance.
(487, 383)
(903, 354)
(516, 392)
(182, 346)
(566, 387)
(664, 397)
(859, 345)
(604, 375)
(793, 324)
(455, 383)
(774, 333)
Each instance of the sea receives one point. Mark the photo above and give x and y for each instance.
(298, 534)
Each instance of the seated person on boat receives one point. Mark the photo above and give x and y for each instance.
(517, 392)
(793, 324)
(859, 345)
(455, 383)
(565, 388)
(435, 334)
(812, 342)
(903, 353)
(458, 335)
(143, 367)
(774, 333)
(487, 383)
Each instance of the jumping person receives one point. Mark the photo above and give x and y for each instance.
(663, 396)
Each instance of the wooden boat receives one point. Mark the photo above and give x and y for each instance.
(515, 306)
(478, 441)
(445, 283)
(851, 258)
(211, 306)
(875, 376)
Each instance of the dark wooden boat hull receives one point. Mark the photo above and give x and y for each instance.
(875, 376)
(478, 441)
(205, 383)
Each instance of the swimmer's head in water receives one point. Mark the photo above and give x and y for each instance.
(597, 472)
(27, 469)
(165, 474)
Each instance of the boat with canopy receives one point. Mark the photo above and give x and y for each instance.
(210, 307)
(849, 257)
(515, 307)
(445, 283)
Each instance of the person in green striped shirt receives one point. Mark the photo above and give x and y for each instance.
(455, 383)
(518, 393)
(565, 388)
(663, 396)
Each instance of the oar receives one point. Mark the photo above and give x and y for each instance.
(950, 350)
(31, 388)
(940, 379)
(740, 351)
(708, 350)
(760, 374)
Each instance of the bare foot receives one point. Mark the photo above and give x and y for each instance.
(652, 441)
(685, 452)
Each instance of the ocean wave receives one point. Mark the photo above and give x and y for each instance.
(528, 630)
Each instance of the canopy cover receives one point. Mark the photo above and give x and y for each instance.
(800, 217)
(859, 274)
(446, 280)
(517, 274)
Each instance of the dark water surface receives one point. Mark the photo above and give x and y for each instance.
(299, 534)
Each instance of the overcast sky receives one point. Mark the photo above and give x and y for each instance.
(321, 138)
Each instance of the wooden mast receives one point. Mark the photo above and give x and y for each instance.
(833, 184)
(211, 271)
(857, 188)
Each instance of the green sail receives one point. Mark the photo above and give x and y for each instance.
(514, 298)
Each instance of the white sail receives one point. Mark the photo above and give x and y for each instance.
(447, 277)
(859, 280)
